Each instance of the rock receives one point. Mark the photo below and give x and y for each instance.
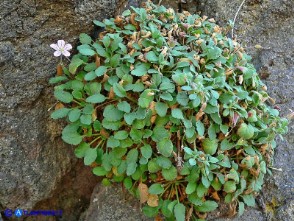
(111, 203)
(35, 164)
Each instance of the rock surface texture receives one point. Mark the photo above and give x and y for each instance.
(37, 170)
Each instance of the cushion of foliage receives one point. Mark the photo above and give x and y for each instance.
(168, 105)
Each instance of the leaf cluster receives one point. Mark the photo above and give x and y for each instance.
(168, 105)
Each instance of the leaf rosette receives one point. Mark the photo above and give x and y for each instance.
(170, 106)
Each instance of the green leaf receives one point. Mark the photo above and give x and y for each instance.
(131, 168)
(200, 128)
(111, 125)
(177, 113)
(60, 113)
(90, 76)
(74, 64)
(121, 135)
(100, 50)
(201, 190)
(86, 119)
(216, 118)
(90, 156)
(99, 171)
(179, 78)
(70, 134)
(226, 145)
(153, 167)
(156, 189)
(180, 211)
(114, 60)
(99, 23)
(151, 57)
(249, 200)
(128, 183)
(210, 145)
(146, 151)
(230, 187)
(112, 142)
(167, 86)
(161, 108)
(111, 113)
(207, 206)
(140, 69)
(57, 79)
(81, 149)
(241, 209)
(136, 135)
(164, 209)
(63, 96)
(245, 131)
(150, 211)
(87, 51)
(164, 162)
(85, 39)
(166, 96)
(100, 71)
(205, 181)
(191, 187)
(96, 98)
(182, 98)
(132, 155)
(170, 174)
(74, 115)
(165, 147)
(124, 106)
(145, 98)
(119, 90)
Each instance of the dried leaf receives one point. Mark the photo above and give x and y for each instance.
(189, 214)
(59, 70)
(111, 94)
(59, 106)
(152, 200)
(97, 61)
(143, 191)
(94, 115)
(201, 111)
(215, 196)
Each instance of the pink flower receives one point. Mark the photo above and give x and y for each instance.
(61, 48)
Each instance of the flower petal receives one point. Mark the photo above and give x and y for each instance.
(60, 43)
(57, 53)
(67, 47)
(66, 53)
(54, 46)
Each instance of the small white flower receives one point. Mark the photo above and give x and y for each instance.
(61, 48)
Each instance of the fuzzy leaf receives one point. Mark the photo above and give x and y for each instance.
(96, 98)
(156, 189)
(70, 134)
(207, 206)
(85, 39)
(165, 147)
(170, 174)
(161, 108)
(119, 90)
(180, 211)
(177, 113)
(100, 71)
(63, 96)
(90, 156)
(60, 113)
